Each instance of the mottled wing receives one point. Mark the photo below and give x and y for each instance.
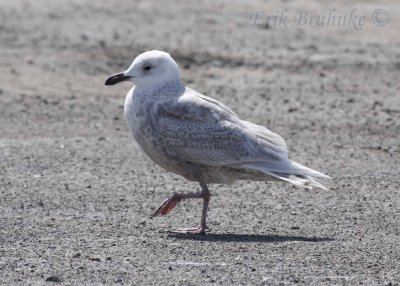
(202, 130)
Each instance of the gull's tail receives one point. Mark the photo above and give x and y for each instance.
(289, 171)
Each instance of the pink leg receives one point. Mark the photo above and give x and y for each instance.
(172, 201)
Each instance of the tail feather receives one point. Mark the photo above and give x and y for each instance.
(291, 172)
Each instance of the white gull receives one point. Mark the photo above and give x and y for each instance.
(199, 138)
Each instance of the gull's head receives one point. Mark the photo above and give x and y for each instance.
(149, 68)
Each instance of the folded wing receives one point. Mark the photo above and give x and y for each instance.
(204, 131)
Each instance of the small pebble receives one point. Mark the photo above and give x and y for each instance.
(53, 279)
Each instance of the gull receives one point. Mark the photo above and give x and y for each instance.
(198, 137)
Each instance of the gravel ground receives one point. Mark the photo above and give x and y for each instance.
(76, 191)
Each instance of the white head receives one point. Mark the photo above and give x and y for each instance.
(149, 68)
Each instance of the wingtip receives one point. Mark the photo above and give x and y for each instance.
(326, 177)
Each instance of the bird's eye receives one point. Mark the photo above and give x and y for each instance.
(147, 68)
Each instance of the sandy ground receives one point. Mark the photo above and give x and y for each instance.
(76, 192)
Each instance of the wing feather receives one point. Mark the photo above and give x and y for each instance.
(204, 131)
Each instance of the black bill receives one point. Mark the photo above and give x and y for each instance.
(116, 78)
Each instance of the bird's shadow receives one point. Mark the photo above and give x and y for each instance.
(232, 237)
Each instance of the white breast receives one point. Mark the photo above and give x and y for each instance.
(128, 108)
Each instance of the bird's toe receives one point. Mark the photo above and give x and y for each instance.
(167, 205)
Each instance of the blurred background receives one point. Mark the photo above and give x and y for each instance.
(76, 191)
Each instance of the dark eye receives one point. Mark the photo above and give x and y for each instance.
(147, 68)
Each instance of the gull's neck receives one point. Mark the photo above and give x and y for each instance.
(160, 88)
